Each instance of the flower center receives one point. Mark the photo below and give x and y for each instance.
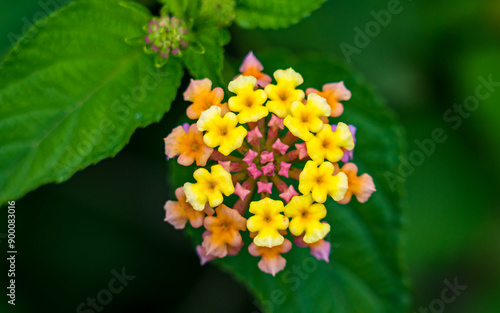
(305, 117)
(283, 94)
(326, 144)
(267, 218)
(249, 102)
(223, 131)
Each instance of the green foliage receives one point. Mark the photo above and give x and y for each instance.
(220, 12)
(76, 85)
(183, 9)
(75, 92)
(273, 13)
(205, 56)
(486, 115)
(365, 273)
(247, 13)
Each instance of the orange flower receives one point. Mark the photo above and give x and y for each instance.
(362, 187)
(272, 262)
(179, 212)
(333, 93)
(224, 231)
(200, 93)
(187, 143)
(251, 66)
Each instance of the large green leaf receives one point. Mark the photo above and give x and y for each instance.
(273, 13)
(366, 272)
(73, 92)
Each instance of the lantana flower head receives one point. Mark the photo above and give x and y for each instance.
(269, 161)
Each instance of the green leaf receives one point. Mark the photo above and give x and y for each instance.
(204, 56)
(183, 9)
(366, 272)
(176, 7)
(137, 7)
(220, 12)
(74, 93)
(273, 13)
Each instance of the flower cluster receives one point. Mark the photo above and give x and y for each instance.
(254, 146)
(166, 36)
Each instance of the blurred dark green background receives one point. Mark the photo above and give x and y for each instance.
(427, 59)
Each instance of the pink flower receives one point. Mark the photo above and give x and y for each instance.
(288, 194)
(281, 147)
(264, 187)
(271, 262)
(320, 249)
(250, 156)
(241, 191)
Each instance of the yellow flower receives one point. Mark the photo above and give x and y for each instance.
(305, 118)
(209, 187)
(328, 144)
(320, 182)
(248, 102)
(267, 221)
(306, 218)
(221, 130)
(283, 94)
